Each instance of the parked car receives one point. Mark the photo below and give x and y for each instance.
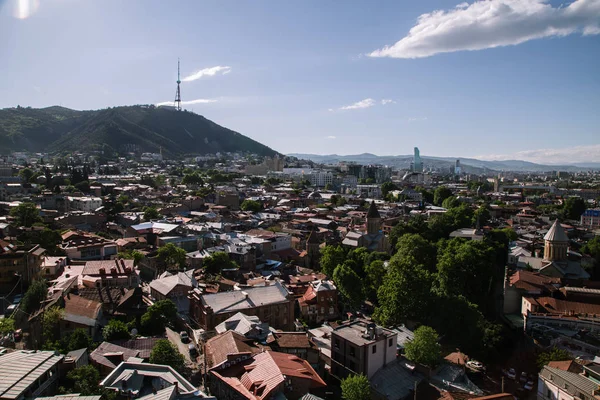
(528, 385)
(193, 350)
(10, 309)
(511, 373)
(184, 336)
(17, 299)
(476, 365)
(523, 377)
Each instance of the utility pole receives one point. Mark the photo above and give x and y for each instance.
(415, 390)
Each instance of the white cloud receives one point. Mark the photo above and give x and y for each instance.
(387, 101)
(212, 71)
(565, 155)
(366, 103)
(188, 103)
(487, 24)
(416, 119)
(330, 137)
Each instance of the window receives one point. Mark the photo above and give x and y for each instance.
(336, 343)
(374, 349)
(390, 342)
(322, 310)
(352, 351)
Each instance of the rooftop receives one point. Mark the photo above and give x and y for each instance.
(225, 302)
(20, 369)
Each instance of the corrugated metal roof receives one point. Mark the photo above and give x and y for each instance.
(20, 369)
(224, 302)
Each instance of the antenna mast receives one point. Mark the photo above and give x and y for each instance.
(178, 93)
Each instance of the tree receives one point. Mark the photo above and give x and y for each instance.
(356, 387)
(450, 202)
(134, 255)
(573, 208)
(217, 262)
(25, 214)
(36, 293)
(416, 247)
(83, 186)
(424, 347)
(26, 174)
(115, 330)
(331, 257)
(172, 256)
(159, 315)
(387, 187)
(7, 325)
(151, 213)
(85, 380)
(416, 224)
(374, 278)
(441, 194)
(79, 339)
(482, 216)
(466, 268)
(349, 284)
(251, 205)
(405, 293)
(192, 179)
(554, 354)
(50, 325)
(165, 353)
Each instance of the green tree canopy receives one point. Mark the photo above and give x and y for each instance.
(192, 179)
(217, 262)
(450, 202)
(424, 348)
(36, 293)
(441, 194)
(349, 284)
(331, 257)
(356, 387)
(387, 187)
(25, 214)
(159, 315)
(165, 353)
(151, 213)
(416, 224)
(115, 330)
(85, 380)
(172, 256)
(554, 354)
(374, 277)
(26, 174)
(251, 205)
(573, 208)
(416, 247)
(7, 325)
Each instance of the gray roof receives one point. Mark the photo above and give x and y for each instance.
(556, 233)
(134, 375)
(165, 394)
(74, 396)
(242, 324)
(394, 381)
(20, 369)
(225, 302)
(166, 284)
(559, 377)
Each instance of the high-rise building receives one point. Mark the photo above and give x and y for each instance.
(457, 168)
(417, 163)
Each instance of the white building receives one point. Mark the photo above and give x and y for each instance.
(88, 204)
(321, 178)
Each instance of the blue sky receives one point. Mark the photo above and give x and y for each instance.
(491, 79)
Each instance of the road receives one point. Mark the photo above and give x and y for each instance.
(183, 347)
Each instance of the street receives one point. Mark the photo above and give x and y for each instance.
(183, 347)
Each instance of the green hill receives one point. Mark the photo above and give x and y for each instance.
(139, 128)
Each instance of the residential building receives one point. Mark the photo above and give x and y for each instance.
(19, 264)
(557, 384)
(265, 376)
(591, 218)
(113, 273)
(273, 304)
(362, 347)
(248, 326)
(87, 204)
(145, 381)
(226, 347)
(28, 374)
(319, 303)
(368, 191)
(174, 287)
(296, 343)
(85, 246)
(107, 356)
(321, 178)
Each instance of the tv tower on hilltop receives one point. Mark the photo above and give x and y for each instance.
(178, 93)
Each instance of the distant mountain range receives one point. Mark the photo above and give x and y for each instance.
(141, 128)
(469, 165)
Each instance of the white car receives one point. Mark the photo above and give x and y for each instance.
(476, 365)
(528, 385)
(523, 377)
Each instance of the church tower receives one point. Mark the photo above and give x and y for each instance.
(556, 243)
(373, 220)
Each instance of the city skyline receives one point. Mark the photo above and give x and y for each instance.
(325, 79)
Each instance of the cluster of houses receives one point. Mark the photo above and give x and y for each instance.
(269, 325)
